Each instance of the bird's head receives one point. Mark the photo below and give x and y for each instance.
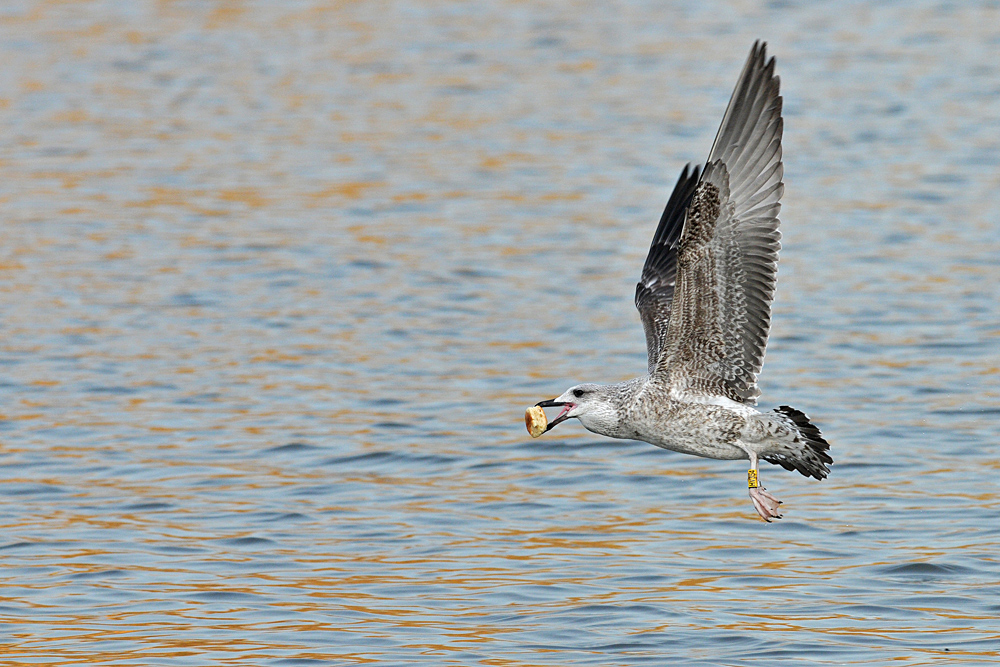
(592, 404)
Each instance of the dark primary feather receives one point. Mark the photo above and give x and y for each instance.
(655, 290)
(727, 254)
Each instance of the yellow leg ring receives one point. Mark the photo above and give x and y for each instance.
(752, 479)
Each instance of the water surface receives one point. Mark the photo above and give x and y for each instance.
(278, 280)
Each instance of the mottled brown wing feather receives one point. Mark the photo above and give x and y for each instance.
(655, 289)
(727, 255)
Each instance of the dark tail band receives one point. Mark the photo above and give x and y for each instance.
(812, 458)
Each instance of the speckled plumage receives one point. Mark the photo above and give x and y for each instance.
(704, 297)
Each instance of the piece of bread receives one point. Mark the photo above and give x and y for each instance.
(534, 419)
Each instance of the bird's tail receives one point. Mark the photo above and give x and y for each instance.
(808, 452)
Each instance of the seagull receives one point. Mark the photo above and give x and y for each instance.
(704, 298)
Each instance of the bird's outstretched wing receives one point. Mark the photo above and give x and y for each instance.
(655, 290)
(727, 254)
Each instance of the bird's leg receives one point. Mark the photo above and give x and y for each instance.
(765, 504)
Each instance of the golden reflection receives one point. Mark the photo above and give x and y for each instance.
(259, 393)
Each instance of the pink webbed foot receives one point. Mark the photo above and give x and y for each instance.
(765, 504)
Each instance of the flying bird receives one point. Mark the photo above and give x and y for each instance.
(704, 298)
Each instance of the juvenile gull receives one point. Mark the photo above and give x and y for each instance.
(716, 250)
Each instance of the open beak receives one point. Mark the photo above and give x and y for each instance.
(566, 407)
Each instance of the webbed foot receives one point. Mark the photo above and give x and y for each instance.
(765, 504)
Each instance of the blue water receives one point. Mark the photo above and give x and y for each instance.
(279, 279)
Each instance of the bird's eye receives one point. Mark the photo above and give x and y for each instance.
(578, 392)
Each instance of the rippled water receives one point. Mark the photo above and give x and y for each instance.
(278, 280)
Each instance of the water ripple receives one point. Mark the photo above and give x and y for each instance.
(279, 279)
